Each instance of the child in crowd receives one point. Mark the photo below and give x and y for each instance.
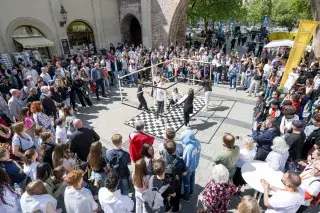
(118, 161)
(180, 168)
(61, 157)
(140, 179)
(30, 163)
(60, 107)
(246, 154)
(37, 139)
(61, 132)
(158, 180)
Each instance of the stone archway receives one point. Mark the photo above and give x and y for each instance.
(32, 23)
(131, 30)
(179, 24)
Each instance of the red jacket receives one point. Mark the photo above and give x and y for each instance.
(136, 144)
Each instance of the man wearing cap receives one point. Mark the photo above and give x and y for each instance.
(289, 116)
(295, 140)
(258, 110)
(15, 104)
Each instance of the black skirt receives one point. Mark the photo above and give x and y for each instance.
(238, 179)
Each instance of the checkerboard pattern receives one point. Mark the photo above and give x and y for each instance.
(174, 115)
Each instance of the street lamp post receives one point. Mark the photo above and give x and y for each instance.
(63, 13)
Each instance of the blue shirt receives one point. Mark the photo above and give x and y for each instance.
(125, 158)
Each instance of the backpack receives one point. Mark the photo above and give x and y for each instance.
(117, 165)
(152, 198)
(171, 172)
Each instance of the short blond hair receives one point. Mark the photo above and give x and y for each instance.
(248, 205)
(249, 142)
(116, 139)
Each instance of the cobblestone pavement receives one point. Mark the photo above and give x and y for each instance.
(230, 111)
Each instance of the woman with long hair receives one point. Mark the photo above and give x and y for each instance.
(27, 119)
(188, 107)
(76, 197)
(54, 187)
(63, 91)
(21, 141)
(97, 164)
(37, 199)
(30, 163)
(248, 204)
(147, 153)
(140, 179)
(9, 200)
(61, 157)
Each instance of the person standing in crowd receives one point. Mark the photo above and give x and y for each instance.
(118, 161)
(48, 105)
(21, 141)
(188, 107)
(6, 87)
(217, 194)
(61, 157)
(287, 119)
(137, 139)
(15, 104)
(39, 117)
(292, 77)
(229, 155)
(264, 138)
(191, 156)
(97, 77)
(140, 180)
(310, 183)
(258, 110)
(36, 198)
(295, 140)
(233, 72)
(4, 108)
(116, 67)
(30, 163)
(111, 199)
(207, 90)
(76, 197)
(81, 140)
(286, 200)
(45, 76)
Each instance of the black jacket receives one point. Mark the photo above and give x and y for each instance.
(49, 107)
(188, 105)
(119, 66)
(81, 140)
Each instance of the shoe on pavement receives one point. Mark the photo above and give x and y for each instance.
(184, 199)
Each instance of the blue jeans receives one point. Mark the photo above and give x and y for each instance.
(124, 186)
(188, 184)
(134, 78)
(269, 92)
(233, 79)
(217, 78)
(116, 74)
(247, 82)
(106, 83)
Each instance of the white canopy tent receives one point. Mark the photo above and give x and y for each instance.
(284, 43)
(34, 42)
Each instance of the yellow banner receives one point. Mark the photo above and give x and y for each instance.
(304, 34)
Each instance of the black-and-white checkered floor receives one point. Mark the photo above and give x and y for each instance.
(175, 118)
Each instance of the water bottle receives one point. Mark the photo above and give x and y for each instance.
(17, 188)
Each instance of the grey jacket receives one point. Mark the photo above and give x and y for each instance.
(15, 106)
(5, 109)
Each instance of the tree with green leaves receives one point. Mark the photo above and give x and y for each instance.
(257, 9)
(215, 10)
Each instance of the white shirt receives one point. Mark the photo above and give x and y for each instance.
(245, 156)
(266, 70)
(46, 77)
(12, 202)
(160, 94)
(277, 161)
(285, 202)
(316, 82)
(36, 202)
(292, 77)
(33, 73)
(313, 189)
(31, 170)
(61, 135)
(287, 123)
(79, 201)
(112, 202)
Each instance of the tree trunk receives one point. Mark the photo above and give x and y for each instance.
(315, 9)
(206, 22)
